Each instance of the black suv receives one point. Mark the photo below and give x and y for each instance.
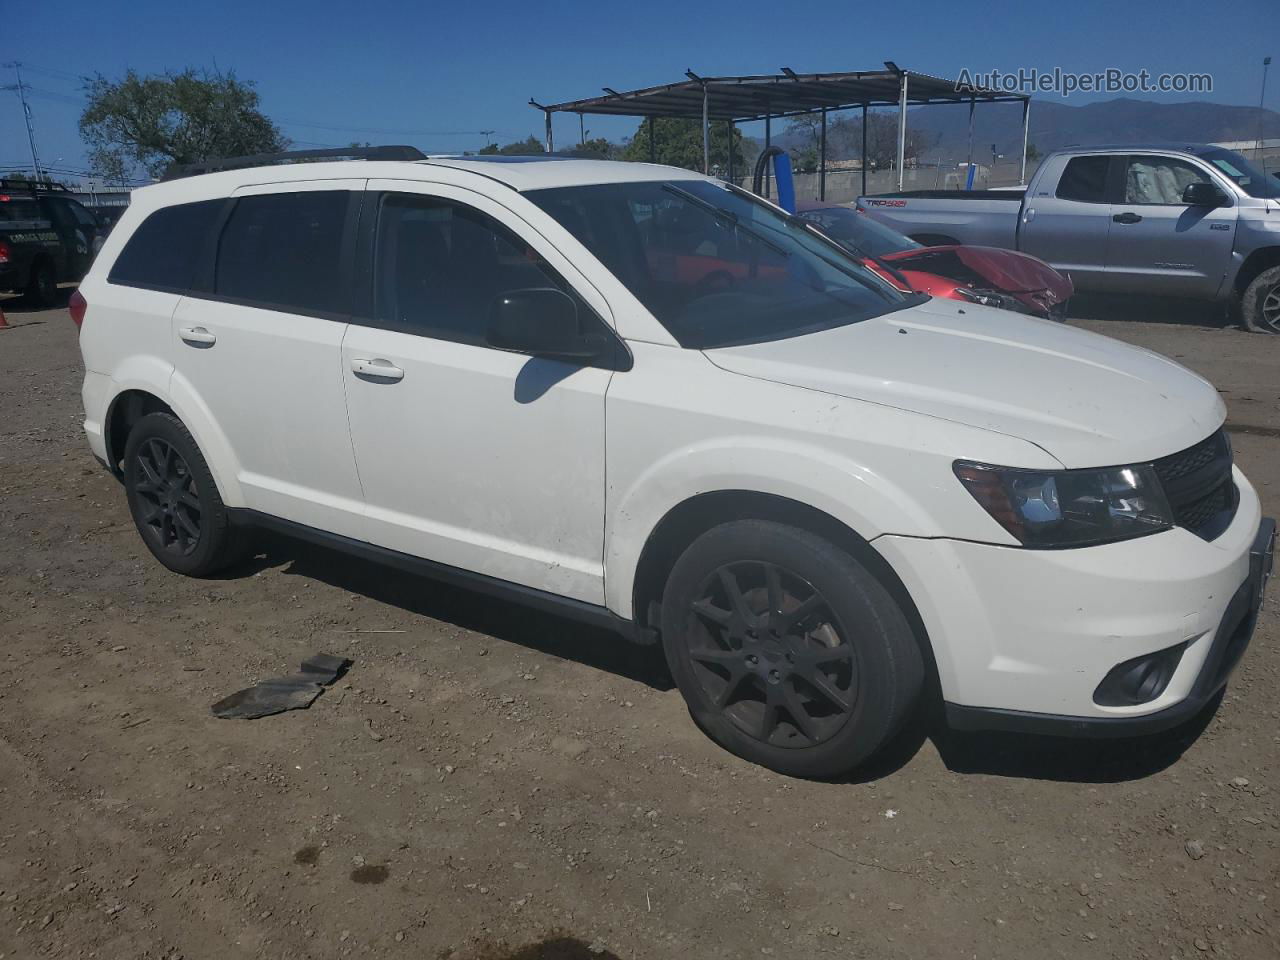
(46, 238)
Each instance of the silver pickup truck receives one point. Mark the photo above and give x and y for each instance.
(1188, 221)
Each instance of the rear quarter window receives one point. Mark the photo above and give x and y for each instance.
(164, 251)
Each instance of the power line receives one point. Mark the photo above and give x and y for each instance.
(43, 94)
(56, 74)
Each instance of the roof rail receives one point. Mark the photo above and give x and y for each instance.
(8, 185)
(394, 152)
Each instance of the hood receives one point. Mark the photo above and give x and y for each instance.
(1088, 400)
(987, 267)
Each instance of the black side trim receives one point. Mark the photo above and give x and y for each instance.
(960, 717)
(479, 582)
(1232, 637)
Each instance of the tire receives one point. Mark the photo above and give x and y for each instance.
(831, 679)
(42, 286)
(174, 502)
(1260, 303)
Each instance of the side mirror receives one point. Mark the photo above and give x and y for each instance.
(542, 322)
(1201, 194)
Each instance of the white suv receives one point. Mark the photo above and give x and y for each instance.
(647, 399)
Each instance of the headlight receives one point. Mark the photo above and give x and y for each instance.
(1069, 508)
(987, 298)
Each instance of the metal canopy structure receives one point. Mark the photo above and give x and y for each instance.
(735, 100)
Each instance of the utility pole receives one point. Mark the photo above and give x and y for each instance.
(26, 113)
(1262, 153)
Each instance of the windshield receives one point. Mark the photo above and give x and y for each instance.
(716, 266)
(858, 233)
(1243, 173)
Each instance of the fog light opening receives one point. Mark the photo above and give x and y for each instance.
(1139, 680)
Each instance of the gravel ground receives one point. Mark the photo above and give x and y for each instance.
(488, 782)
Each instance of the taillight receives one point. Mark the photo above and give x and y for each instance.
(5, 252)
(76, 306)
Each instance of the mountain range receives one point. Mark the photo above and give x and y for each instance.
(944, 127)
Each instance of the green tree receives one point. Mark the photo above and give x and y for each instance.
(806, 132)
(678, 143)
(527, 147)
(599, 147)
(160, 119)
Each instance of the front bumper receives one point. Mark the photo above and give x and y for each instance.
(1229, 643)
(1023, 638)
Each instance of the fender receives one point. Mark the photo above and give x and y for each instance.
(818, 477)
(158, 377)
(143, 372)
(223, 463)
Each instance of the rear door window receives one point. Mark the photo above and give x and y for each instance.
(164, 251)
(283, 251)
(1085, 179)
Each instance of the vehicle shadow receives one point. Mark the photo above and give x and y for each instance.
(501, 619)
(1146, 309)
(1022, 756)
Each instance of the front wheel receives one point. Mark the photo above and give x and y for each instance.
(1260, 304)
(788, 651)
(173, 499)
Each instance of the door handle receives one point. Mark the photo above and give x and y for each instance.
(197, 336)
(377, 370)
(1127, 218)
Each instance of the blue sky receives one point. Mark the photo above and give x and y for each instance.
(434, 75)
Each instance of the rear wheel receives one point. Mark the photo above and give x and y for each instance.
(173, 499)
(42, 287)
(1260, 304)
(788, 652)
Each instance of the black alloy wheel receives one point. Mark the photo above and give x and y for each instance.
(174, 501)
(788, 651)
(168, 497)
(771, 655)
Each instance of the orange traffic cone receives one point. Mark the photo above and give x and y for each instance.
(3, 322)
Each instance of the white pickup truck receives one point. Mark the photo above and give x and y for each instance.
(1189, 221)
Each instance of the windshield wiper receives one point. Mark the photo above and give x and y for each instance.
(878, 261)
(726, 215)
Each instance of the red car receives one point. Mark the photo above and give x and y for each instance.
(986, 275)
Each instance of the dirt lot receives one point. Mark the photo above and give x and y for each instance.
(486, 778)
